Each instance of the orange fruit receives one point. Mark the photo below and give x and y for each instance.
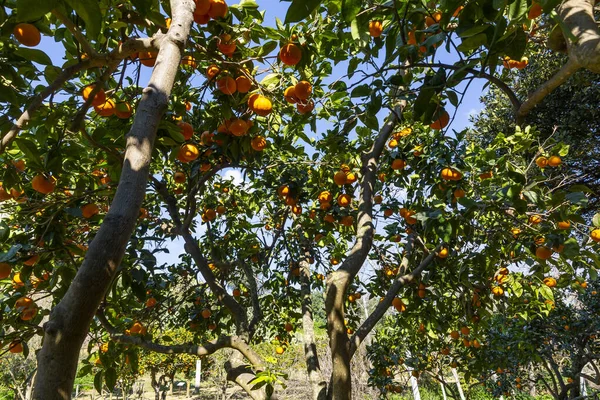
(221, 209)
(179, 177)
(442, 120)
(344, 200)
(375, 28)
(290, 95)
(89, 210)
(288, 327)
(189, 61)
(206, 313)
(19, 165)
(123, 110)
(347, 220)
(227, 85)
(106, 109)
(443, 253)
(15, 347)
(554, 161)
(595, 235)
(303, 90)
(279, 350)
(340, 178)
(136, 328)
(290, 54)
(226, 45)
(218, 9)
(541, 162)
(543, 253)
(262, 106)
(148, 58)
(243, 84)
(212, 71)
(305, 108)
(42, 184)
(486, 175)
(398, 164)
(5, 270)
(27, 34)
(325, 197)
(450, 174)
(202, 6)
(201, 19)
(497, 291)
(378, 199)
(535, 219)
(433, 19)
(535, 11)
(238, 127)
(564, 225)
(398, 304)
(258, 143)
(151, 302)
(454, 335)
(550, 282)
(187, 153)
(459, 193)
(99, 97)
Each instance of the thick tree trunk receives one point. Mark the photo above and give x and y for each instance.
(315, 376)
(70, 319)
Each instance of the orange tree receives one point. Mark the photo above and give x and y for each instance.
(246, 273)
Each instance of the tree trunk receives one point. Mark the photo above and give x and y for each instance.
(69, 321)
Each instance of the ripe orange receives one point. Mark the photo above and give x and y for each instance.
(206, 313)
(541, 162)
(148, 58)
(550, 282)
(279, 350)
(290, 95)
(595, 235)
(433, 19)
(179, 177)
(543, 252)
(123, 110)
(347, 220)
(375, 28)
(27, 34)
(325, 197)
(221, 209)
(443, 253)
(42, 184)
(227, 85)
(398, 164)
(450, 174)
(218, 9)
(238, 127)
(243, 84)
(398, 304)
(535, 11)
(201, 19)
(107, 109)
(212, 71)
(187, 153)
(454, 335)
(283, 190)
(305, 108)
(303, 90)
(15, 347)
(486, 175)
(5, 270)
(151, 302)
(535, 219)
(554, 161)
(258, 143)
(497, 291)
(19, 165)
(288, 327)
(378, 199)
(290, 54)
(340, 178)
(202, 6)
(226, 45)
(89, 210)
(564, 224)
(189, 61)
(344, 200)
(465, 330)
(262, 106)
(459, 193)
(442, 120)
(99, 97)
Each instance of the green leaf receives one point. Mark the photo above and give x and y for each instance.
(517, 9)
(10, 254)
(350, 8)
(29, 149)
(98, 382)
(546, 292)
(34, 55)
(29, 10)
(473, 42)
(4, 231)
(89, 11)
(111, 378)
(300, 9)
(267, 48)
(361, 91)
(596, 220)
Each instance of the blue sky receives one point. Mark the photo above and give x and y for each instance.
(275, 9)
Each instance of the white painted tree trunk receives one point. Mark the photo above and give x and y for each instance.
(198, 374)
(443, 391)
(458, 385)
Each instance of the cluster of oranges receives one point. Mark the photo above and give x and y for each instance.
(209, 9)
(106, 107)
(299, 94)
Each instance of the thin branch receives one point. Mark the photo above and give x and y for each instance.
(74, 29)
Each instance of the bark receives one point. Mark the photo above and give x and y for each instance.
(583, 48)
(340, 387)
(315, 376)
(69, 321)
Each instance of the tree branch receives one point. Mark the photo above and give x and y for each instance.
(87, 48)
